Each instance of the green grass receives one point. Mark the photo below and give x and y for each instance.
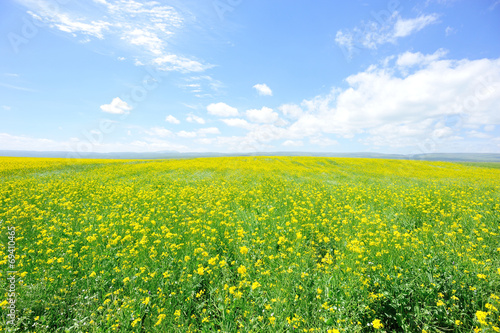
(250, 244)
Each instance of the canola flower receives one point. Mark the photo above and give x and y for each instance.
(251, 244)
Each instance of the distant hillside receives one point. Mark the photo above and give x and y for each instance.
(457, 157)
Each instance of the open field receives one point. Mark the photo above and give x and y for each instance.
(250, 244)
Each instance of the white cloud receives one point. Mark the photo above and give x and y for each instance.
(291, 110)
(374, 33)
(117, 106)
(222, 110)
(208, 130)
(237, 122)
(144, 28)
(263, 89)
(72, 24)
(147, 39)
(172, 62)
(171, 119)
(409, 59)
(493, 5)
(401, 111)
(20, 142)
(6, 107)
(405, 27)
(264, 115)
(160, 132)
(477, 134)
(291, 143)
(435, 105)
(185, 134)
(322, 141)
(195, 119)
(205, 141)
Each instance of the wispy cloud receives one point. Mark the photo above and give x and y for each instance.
(496, 3)
(405, 27)
(10, 86)
(195, 119)
(144, 27)
(371, 34)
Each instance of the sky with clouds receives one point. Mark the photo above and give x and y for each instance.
(250, 76)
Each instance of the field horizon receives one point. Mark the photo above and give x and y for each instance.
(451, 157)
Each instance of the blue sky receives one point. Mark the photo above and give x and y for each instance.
(244, 76)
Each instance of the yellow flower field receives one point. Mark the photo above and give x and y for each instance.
(249, 244)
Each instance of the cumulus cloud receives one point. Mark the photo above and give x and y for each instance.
(409, 59)
(264, 115)
(75, 146)
(322, 141)
(222, 110)
(208, 131)
(185, 134)
(263, 89)
(117, 106)
(159, 132)
(403, 110)
(195, 119)
(438, 104)
(237, 122)
(291, 143)
(291, 110)
(171, 119)
(410, 101)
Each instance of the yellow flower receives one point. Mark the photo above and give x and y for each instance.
(127, 279)
(200, 270)
(243, 250)
(4, 303)
(377, 324)
(92, 275)
(481, 316)
(146, 301)
(481, 276)
(255, 285)
(458, 322)
(177, 313)
(135, 322)
(242, 270)
(272, 319)
(160, 318)
(334, 330)
(440, 303)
